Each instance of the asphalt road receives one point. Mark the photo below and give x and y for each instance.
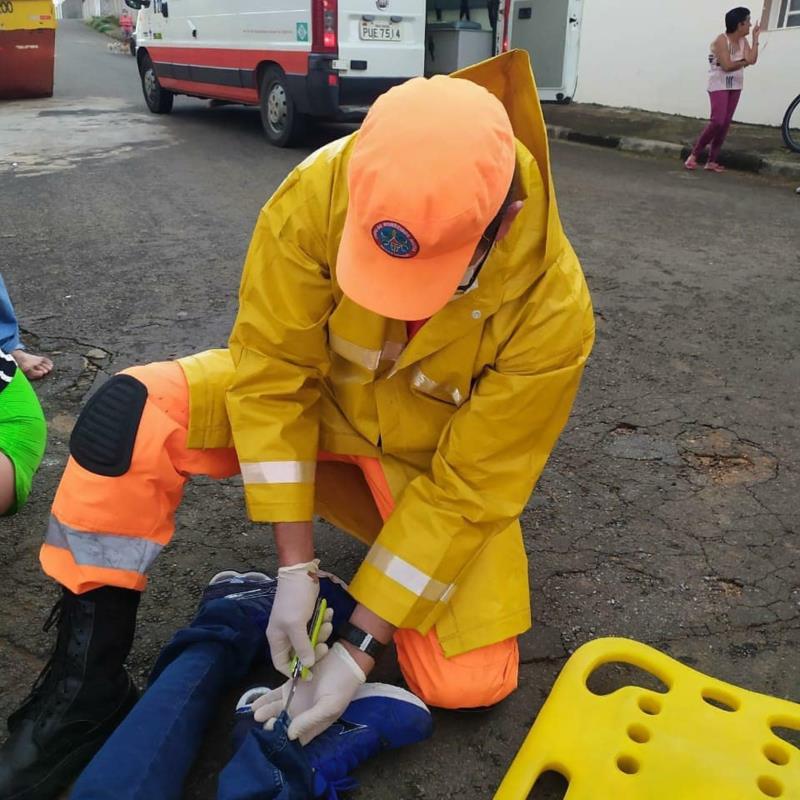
(668, 512)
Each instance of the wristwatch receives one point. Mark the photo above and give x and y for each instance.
(364, 641)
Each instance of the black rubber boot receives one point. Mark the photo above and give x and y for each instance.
(82, 694)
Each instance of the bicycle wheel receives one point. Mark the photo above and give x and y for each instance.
(791, 125)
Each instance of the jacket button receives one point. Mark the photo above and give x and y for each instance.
(476, 314)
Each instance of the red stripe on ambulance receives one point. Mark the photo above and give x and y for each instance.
(249, 96)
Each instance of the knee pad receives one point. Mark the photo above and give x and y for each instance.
(103, 437)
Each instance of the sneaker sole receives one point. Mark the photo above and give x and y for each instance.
(250, 696)
(387, 690)
(230, 574)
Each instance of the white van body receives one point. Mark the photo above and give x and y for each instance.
(332, 58)
(222, 50)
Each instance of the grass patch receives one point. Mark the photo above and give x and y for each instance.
(108, 25)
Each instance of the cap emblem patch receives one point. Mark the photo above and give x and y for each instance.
(395, 240)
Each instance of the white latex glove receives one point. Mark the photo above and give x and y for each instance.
(317, 703)
(253, 697)
(267, 705)
(287, 631)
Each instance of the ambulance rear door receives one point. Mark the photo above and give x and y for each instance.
(550, 31)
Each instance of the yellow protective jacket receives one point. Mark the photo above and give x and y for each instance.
(462, 418)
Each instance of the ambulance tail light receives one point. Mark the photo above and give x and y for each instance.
(325, 38)
(506, 18)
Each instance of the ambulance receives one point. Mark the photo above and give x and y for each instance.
(330, 59)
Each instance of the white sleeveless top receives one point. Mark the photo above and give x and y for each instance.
(718, 79)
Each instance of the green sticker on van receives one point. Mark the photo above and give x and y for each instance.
(302, 31)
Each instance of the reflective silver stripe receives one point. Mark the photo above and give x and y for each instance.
(429, 386)
(407, 575)
(392, 350)
(423, 382)
(445, 598)
(278, 471)
(109, 550)
(355, 352)
(370, 359)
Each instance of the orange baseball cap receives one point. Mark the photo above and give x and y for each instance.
(430, 169)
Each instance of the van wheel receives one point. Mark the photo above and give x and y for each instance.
(158, 99)
(283, 124)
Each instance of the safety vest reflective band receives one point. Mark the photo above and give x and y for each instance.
(110, 550)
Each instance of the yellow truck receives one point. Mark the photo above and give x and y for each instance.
(27, 48)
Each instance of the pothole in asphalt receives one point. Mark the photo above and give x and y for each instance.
(729, 588)
(720, 457)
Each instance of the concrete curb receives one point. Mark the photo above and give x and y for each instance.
(735, 159)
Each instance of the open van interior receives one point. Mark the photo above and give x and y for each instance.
(459, 33)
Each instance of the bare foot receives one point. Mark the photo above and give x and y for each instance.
(34, 367)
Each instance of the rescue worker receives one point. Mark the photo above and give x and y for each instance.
(411, 333)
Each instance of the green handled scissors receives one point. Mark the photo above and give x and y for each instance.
(298, 670)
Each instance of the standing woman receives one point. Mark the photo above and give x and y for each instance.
(730, 54)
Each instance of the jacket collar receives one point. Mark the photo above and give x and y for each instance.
(510, 78)
(514, 265)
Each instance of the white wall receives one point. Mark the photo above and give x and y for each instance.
(652, 54)
(70, 9)
(102, 8)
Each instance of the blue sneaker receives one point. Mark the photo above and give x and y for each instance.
(255, 590)
(380, 717)
(238, 586)
(243, 720)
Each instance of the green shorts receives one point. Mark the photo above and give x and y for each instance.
(23, 434)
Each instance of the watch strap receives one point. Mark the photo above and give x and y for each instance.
(359, 638)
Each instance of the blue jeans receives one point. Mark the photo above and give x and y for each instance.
(267, 766)
(9, 329)
(151, 752)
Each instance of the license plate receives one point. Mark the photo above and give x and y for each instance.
(379, 32)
